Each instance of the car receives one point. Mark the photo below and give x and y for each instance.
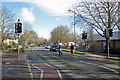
(54, 48)
(43, 45)
(47, 46)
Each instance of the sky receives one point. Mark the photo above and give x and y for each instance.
(44, 15)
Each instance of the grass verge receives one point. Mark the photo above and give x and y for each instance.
(67, 50)
(117, 58)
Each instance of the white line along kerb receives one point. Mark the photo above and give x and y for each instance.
(41, 76)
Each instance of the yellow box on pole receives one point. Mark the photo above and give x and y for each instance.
(73, 51)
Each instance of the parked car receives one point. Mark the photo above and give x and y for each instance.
(54, 48)
(47, 46)
(43, 45)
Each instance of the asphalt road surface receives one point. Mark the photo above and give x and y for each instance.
(49, 65)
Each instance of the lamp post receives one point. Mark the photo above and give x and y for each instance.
(74, 27)
(118, 15)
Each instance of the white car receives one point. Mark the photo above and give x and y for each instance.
(47, 46)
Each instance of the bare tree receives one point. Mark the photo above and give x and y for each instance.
(27, 31)
(30, 36)
(99, 15)
(61, 34)
(6, 23)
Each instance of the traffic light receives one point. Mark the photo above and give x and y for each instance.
(110, 32)
(18, 28)
(84, 36)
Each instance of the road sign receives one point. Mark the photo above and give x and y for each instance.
(24, 41)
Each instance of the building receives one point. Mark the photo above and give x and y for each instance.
(100, 42)
(10, 41)
(0, 40)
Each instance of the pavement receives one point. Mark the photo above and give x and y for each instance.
(99, 54)
(102, 55)
(14, 69)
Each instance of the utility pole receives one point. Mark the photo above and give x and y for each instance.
(74, 27)
(74, 33)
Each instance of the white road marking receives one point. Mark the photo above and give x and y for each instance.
(57, 71)
(59, 74)
(41, 76)
(100, 66)
(109, 69)
(31, 74)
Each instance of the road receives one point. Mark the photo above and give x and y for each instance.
(49, 65)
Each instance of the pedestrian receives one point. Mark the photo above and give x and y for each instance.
(60, 50)
(71, 47)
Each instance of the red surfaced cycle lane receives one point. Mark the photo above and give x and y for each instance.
(46, 72)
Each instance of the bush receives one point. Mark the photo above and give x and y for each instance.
(5, 46)
(10, 46)
(63, 46)
(12, 50)
(16, 49)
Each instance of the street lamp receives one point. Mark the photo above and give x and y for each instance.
(118, 16)
(74, 27)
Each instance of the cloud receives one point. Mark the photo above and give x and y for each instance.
(27, 15)
(57, 19)
(56, 7)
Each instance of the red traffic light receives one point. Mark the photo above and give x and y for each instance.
(84, 36)
(19, 24)
(111, 30)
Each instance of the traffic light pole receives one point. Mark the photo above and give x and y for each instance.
(108, 34)
(108, 48)
(18, 30)
(109, 39)
(18, 48)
